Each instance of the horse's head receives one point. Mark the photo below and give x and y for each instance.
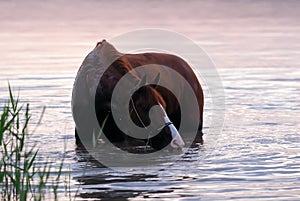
(140, 107)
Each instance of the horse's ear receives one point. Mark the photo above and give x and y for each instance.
(142, 82)
(156, 79)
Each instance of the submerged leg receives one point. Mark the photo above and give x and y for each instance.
(77, 138)
(198, 139)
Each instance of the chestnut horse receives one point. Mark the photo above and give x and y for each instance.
(142, 100)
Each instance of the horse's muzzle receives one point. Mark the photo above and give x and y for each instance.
(177, 141)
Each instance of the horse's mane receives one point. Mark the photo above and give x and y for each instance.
(111, 57)
(121, 65)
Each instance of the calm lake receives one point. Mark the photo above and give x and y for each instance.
(255, 46)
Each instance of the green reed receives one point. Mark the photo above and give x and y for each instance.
(20, 176)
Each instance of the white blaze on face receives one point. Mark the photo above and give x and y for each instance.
(177, 141)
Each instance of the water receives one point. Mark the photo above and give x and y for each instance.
(255, 46)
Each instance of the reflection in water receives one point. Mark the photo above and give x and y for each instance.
(110, 184)
(94, 186)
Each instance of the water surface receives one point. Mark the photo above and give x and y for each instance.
(255, 46)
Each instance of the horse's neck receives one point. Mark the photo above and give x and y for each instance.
(117, 62)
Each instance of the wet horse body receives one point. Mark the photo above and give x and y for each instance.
(144, 98)
(180, 66)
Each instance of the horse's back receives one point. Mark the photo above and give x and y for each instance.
(169, 60)
(172, 61)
